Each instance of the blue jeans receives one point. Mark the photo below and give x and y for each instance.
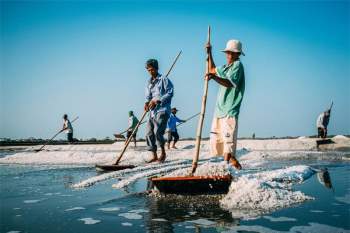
(155, 131)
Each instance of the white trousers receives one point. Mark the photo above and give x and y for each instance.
(223, 136)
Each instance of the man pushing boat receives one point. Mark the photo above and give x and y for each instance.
(159, 92)
(231, 80)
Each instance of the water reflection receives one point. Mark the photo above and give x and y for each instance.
(324, 178)
(68, 181)
(165, 213)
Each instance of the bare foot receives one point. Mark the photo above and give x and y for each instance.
(235, 163)
(227, 157)
(162, 156)
(161, 159)
(155, 158)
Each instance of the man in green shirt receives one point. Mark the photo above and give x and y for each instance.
(131, 126)
(230, 77)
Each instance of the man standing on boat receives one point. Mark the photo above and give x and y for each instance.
(132, 124)
(172, 130)
(159, 92)
(67, 127)
(231, 80)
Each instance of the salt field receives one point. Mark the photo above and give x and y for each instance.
(283, 187)
(174, 116)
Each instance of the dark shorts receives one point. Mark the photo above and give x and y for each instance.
(128, 134)
(322, 133)
(173, 136)
(70, 137)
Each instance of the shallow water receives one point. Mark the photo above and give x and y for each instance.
(40, 199)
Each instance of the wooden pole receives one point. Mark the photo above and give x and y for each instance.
(201, 117)
(143, 116)
(128, 129)
(175, 60)
(54, 137)
(330, 108)
(188, 119)
(185, 121)
(129, 139)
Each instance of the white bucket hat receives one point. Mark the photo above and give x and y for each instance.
(234, 46)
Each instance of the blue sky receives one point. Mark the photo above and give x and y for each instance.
(87, 59)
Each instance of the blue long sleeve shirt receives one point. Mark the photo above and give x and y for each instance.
(172, 122)
(162, 89)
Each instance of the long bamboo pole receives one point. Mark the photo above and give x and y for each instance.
(143, 122)
(201, 117)
(330, 108)
(191, 117)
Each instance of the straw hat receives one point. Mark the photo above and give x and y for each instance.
(234, 46)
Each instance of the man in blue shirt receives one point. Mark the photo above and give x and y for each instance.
(159, 92)
(171, 129)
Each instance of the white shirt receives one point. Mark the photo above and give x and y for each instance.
(68, 126)
(319, 121)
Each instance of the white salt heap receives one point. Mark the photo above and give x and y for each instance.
(132, 179)
(260, 157)
(105, 176)
(254, 194)
(341, 137)
(296, 174)
(251, 195)
(98, 154)
(206, 169)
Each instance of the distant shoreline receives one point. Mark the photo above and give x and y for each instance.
(35, 142)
